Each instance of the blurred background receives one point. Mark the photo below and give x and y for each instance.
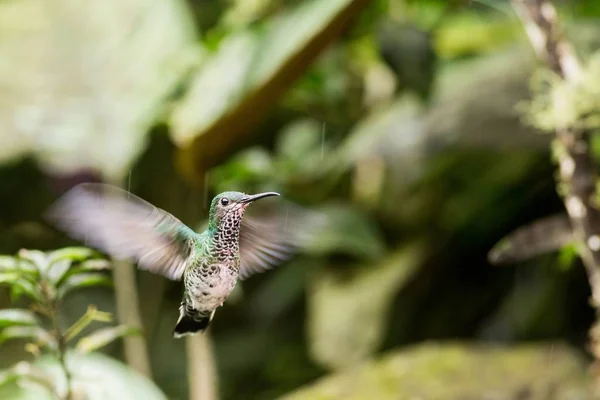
(398, 120)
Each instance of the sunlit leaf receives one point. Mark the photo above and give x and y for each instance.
(24, 268)
(567, 256)
(37, 258)
(7, 263)
(9, 277)
(57, 270)
(33, 333)
(24, 372)
(104, 336)
(83, 280)
(92, 265)
(19, 285)
(467, 33)
(236, 86)
(97, 377)
(16, 316)
(108, 68)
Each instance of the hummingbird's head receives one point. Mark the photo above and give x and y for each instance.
(228, 207)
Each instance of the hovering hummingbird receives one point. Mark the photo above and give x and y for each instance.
(210, 263)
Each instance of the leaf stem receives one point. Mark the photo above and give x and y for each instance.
(53, 305)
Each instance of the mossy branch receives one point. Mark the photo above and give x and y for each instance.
(572, 149)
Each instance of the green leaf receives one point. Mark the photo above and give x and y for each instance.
(7, 263)
(99, 377)
(15, 316)
(253, 68)
(57, 270)
(75, 254)
(104, 336)
(92, 265)
(10, 264)
(9, 277)
(37, 258)
(61, 260)
(33, 333)
(25, 372)
(144, 48)
(346, 230)
(83, 280)
(19, 285)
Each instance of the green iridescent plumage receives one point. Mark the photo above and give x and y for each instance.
(209, 263)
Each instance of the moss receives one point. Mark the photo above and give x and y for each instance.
(457, 372)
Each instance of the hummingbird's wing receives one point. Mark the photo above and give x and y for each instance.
(264, 243)
(126, 227)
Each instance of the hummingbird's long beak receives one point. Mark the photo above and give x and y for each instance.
(250, 198)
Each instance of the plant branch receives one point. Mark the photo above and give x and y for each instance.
(202, 377)
(52, 305)
(126, 297)
(577, 176)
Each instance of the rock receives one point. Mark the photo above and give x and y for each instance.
(455, 371)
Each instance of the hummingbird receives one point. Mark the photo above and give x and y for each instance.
(210, 263)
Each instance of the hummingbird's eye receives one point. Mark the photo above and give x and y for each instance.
(224, 201)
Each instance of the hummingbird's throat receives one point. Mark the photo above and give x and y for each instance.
(227, 238)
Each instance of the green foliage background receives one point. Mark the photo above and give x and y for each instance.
(397, 119)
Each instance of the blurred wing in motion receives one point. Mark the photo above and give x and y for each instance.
(269, 240)
(126, 227)
(542, 236)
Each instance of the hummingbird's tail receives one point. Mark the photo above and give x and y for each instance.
(190, 323)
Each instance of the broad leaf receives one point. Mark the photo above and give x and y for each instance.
(100, 377)
(15, 316)
(75, 254)
(24, 268)
(236, 86)
(7, 264)
(36, 258)
(108, 67)
(34, 334)
(19, 285)
(57, 270)
(9, 277)
(104, 336)
(93, 265)
(95, 377)
(12, 379)
(83, 280)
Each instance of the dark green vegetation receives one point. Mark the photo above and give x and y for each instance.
(397, 119)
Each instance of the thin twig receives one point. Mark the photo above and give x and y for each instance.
(52, 306)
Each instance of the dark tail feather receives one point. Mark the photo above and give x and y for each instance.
(190, 324)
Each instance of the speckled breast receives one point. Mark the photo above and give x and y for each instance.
(209, 286)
